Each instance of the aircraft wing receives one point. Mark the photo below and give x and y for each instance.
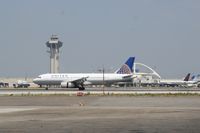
(74, 83)
(127, 76)
(78, 81)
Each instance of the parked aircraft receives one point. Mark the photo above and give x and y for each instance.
(4, 84)
(186, 82)
(21, 84)
(79, 80)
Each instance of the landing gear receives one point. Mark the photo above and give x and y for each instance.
(81, 88)
(46, 88)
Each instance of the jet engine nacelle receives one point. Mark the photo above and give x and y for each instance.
(67, 85)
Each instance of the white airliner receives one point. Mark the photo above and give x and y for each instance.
(186, 82)
(79, 80)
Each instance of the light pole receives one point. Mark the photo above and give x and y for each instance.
(103, 78)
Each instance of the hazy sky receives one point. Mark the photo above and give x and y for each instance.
(164, 34)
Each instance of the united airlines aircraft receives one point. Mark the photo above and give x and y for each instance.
(79, 80)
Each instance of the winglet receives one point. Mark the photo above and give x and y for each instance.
(127, 68)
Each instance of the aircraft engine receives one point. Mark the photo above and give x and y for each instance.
(67, 85)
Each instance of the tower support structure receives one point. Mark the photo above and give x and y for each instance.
(54, 45)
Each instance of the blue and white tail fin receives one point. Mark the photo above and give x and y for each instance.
(127, 68)
(195, 77)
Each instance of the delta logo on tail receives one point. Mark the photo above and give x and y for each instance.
(127, 68)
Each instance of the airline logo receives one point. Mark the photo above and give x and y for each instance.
(124, 70)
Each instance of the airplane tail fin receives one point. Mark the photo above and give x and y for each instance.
(187, 77)
(193, 78)
(127, 68)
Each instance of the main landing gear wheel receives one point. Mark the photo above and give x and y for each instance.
(81, 88)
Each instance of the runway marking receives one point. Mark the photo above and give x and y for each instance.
(11, 109)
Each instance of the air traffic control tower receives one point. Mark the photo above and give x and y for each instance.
(54, 44)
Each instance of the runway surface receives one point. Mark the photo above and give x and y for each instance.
(97, 91)
(100, 114)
